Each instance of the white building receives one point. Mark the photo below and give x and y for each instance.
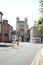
(35, 36)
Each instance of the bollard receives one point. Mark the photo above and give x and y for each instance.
(12, 45)
(17, 42)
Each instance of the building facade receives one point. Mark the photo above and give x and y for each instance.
(6, 31)
(13, 35)
(10, 28)
(21, 29)
(35, 36)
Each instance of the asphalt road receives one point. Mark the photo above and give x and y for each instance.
(22, 55)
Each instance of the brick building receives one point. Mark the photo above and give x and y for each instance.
(6, 31)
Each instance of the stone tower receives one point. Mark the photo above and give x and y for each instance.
(21, 28)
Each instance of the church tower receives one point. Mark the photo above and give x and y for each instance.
(21, 28)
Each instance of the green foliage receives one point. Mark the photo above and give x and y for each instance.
(40, 21)
(41, 7)
(40, 28)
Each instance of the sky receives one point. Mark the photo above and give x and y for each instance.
(20, 8)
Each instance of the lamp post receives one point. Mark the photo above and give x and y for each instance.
(1, 26)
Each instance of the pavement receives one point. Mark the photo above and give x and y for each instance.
(20, 55)
(41, 60)
(4, 47)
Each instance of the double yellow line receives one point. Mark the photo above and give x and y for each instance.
(36, 59)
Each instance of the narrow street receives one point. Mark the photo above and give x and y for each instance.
(22, 55)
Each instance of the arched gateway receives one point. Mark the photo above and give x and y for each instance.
(21, 33)
(21, 28)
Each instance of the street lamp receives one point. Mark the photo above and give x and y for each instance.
(1, 26)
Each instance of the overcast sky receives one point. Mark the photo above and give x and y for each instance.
(20, 8)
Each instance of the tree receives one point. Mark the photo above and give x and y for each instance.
(40, 21)
(40, 27)
(41, 7)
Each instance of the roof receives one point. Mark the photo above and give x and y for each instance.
(10, 26)
(33, 27)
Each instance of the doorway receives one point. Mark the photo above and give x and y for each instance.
(22, 38)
